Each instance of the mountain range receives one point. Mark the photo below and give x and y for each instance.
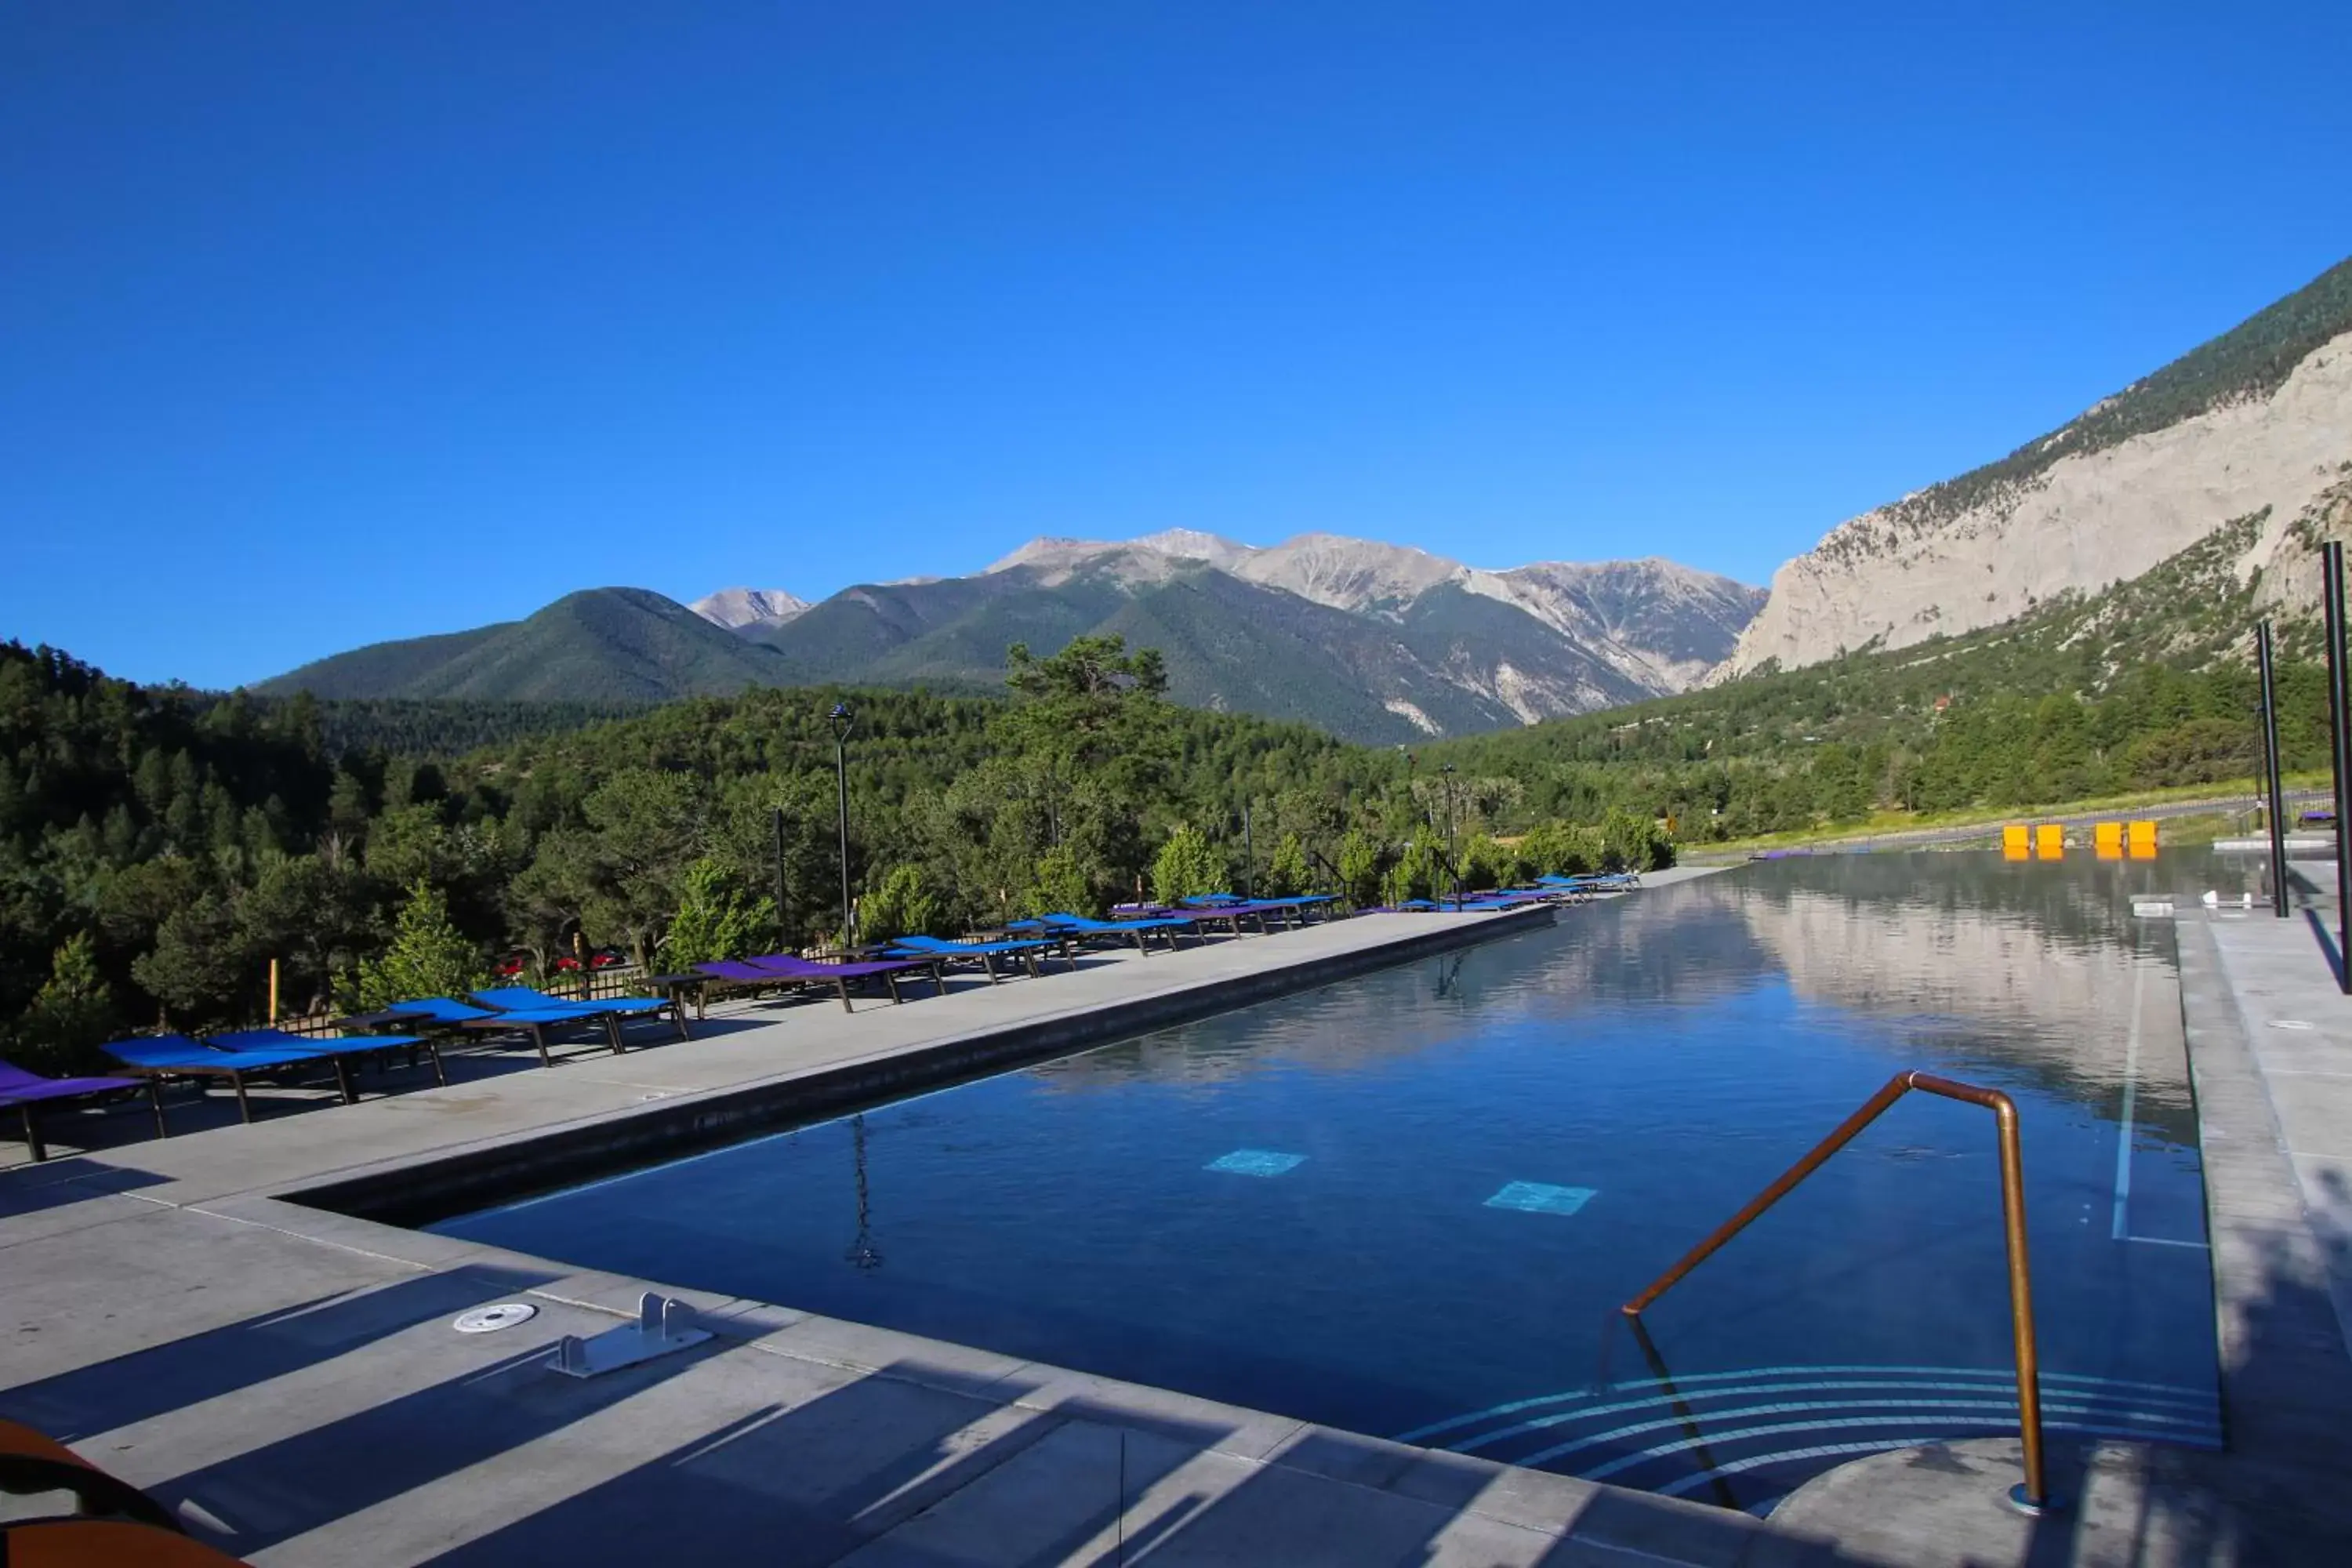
(1374, 642)
(2241, 447)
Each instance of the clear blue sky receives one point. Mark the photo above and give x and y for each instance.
(327, 322)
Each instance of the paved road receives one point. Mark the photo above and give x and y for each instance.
(1925, 838)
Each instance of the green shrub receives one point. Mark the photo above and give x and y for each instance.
(1060, 886)
(1288, 874)
(1418, 874)
(1187, 865)
(904, 905)
(71, 1014)
(429, 956)
(1488, 864)
(1360, 868)
(715, 921)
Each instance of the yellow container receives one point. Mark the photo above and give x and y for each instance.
(2013, 841)
(2107, 837)
(2050, 841)
(2143, 840)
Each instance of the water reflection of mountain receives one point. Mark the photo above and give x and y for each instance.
(2029, 966)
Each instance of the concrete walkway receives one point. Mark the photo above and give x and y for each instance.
(288, 1379)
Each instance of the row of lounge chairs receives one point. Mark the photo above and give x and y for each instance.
(1542, 890)
(150, 1062)
(422, 1024)
(1036, 940)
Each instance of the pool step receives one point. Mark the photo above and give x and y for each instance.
(1745, 1439)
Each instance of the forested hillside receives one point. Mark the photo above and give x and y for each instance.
(159, 846)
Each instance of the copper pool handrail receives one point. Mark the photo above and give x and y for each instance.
(2033, 1496)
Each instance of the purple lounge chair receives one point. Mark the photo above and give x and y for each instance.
(26, 1090)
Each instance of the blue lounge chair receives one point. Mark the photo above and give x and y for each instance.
(534, 1022)
(1070, 925)
(26, 1090)
(1022, 949)
(510, 998)
(522, 998)
(176, 1055)
(334, 1045)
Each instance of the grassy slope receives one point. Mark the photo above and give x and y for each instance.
(1883, 823)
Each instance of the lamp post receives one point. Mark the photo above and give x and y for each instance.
(2276, 794)
(1452, 852)
(784, 938)
(1249, 855)
(843, 720)
(2339, 725)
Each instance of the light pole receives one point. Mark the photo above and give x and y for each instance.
(784, 938)
(2276, 794)
(1452, 853)
(1249, 853)
(842, 720)
(2339, 726)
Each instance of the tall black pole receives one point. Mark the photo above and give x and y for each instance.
(2271, 770)
(783, 937)
(2340, 709)
(1249, 852)
(842, 720)
(1453, 850)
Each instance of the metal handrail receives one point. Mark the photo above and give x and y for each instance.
(2033, 1496)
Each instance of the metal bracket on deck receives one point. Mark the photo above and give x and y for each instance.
(664, 1324)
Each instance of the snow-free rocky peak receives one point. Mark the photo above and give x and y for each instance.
(737, 608)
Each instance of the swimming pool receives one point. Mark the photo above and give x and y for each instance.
(1411, 1204)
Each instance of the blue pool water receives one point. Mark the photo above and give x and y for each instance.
(1412, 1203)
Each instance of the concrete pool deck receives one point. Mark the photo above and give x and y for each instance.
(287, 1380)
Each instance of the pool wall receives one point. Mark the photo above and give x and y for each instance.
(452, 1183)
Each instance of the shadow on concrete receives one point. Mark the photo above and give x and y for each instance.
(2328, 947)
(70, 1179)
(283, 1488)
(2278, 1492)
(913, 1467)
(173, 1377)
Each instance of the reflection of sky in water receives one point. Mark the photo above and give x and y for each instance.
(1664, 1056)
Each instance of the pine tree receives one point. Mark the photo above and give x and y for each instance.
(715, 921)
(1186, 866)
(71, 1012)
(428, 956)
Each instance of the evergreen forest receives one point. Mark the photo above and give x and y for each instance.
(160, 847)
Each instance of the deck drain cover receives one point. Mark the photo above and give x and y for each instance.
(491, 1320)
(2289, 1024)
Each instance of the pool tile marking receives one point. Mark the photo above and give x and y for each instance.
(1255, 1163)
(1540, 1197)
